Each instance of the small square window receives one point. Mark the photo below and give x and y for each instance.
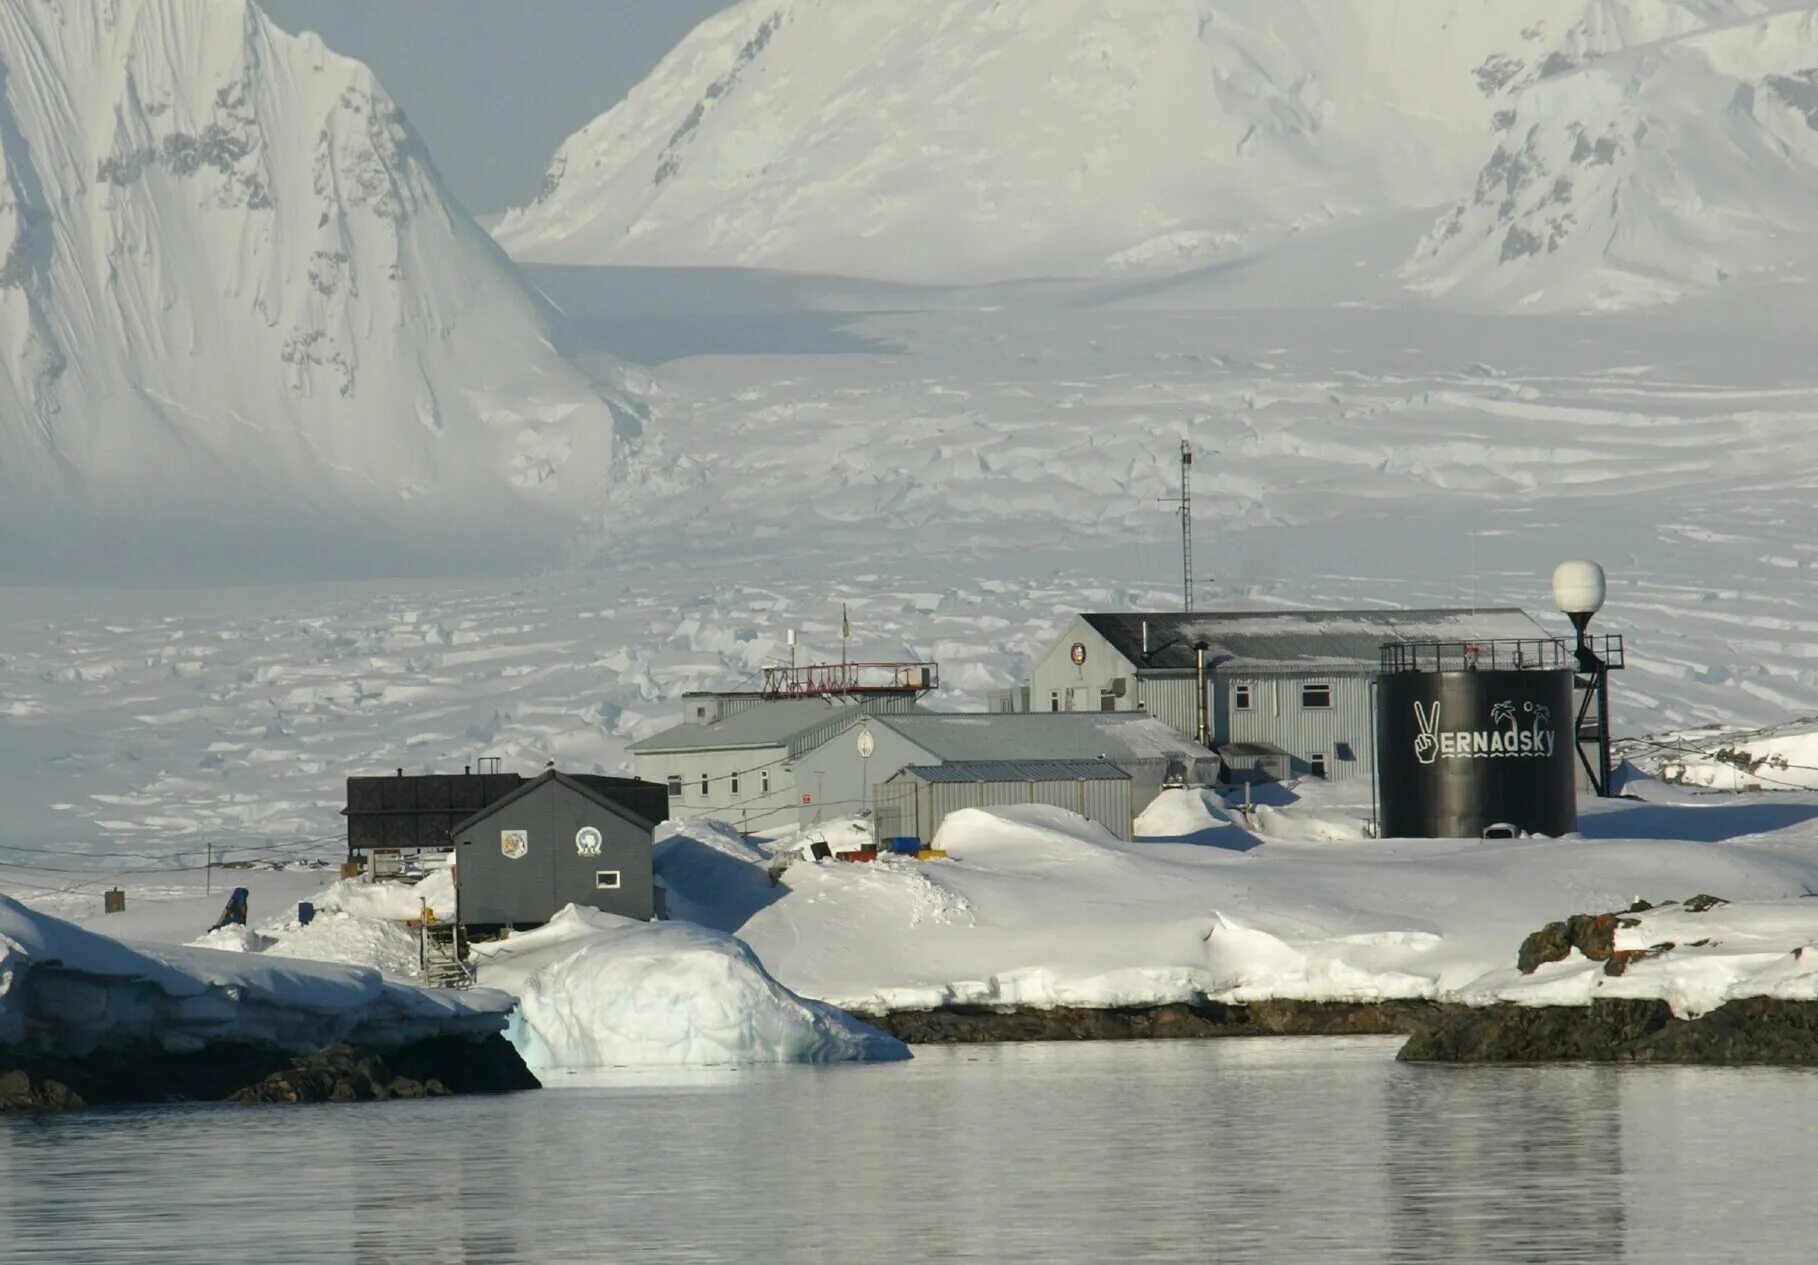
(1316, 696)
(675, 786)
(700, 713)
(1316, 761)
(606, 880)
(1107, 701)
(1240, 698)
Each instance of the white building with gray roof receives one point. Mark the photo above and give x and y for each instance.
(1286, 691)
(733, 756)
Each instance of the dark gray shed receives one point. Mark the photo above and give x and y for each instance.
(557, 840)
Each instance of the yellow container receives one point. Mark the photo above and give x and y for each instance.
(931, 854)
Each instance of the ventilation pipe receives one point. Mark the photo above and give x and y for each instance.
(1145, 639)
(1203, 731)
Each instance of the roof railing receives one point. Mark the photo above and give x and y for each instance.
(1500, 654)
(829, 680)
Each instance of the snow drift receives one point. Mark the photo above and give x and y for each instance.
(596, 990)
(67, 991)
(235, 293)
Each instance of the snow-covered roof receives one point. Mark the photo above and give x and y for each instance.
(776, 723)
(1016, 771)
(1300, 640)
(960, 737)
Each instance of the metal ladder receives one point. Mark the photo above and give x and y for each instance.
(439, 955)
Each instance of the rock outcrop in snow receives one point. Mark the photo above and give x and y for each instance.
(240, 315)
(968, 139)
(1673, 162)
(1635, 149)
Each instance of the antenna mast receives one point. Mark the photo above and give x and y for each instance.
(1186, 528)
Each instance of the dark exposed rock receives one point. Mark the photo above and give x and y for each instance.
(252, 1073)
(1701, 903)
(1593, 935)
(1751, 1030)
(963, 1024)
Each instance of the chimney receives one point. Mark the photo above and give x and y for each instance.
(1145, 639)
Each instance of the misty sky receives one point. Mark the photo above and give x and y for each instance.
(493, 86)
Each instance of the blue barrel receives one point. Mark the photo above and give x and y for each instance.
(306, 913)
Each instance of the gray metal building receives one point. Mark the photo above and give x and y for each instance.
(557, 840)
(1295, 681)
(735, 756)
(848, 767)
(915, 801)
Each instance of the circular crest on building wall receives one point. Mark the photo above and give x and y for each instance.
(587, 841)
(1078, 654)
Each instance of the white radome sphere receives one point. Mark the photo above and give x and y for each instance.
(1578, 587)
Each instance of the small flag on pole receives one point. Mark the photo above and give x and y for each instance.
(845, 623)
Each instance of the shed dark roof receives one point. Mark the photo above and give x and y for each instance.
(1310, 640)
(1016, 771)
(609, 793)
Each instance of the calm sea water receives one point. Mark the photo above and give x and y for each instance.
(1227, 1151)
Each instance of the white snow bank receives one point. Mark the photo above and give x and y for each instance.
(597, 990)
(1182, 814)
(66, 990)
(1038, 907)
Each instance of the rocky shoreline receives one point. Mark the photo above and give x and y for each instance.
(245, 1073)
(1176, 1021)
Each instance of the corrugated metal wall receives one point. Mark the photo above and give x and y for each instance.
(1276, 716)
(908, 807)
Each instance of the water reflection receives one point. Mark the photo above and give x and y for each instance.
(1235, 1151)
(1505, 1164)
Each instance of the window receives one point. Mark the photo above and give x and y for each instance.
(735, 783)
(1316, 695)
(606, 880)
(700, 713)
(1107, 700)
(1316, 761)
(1054, 700)
(1240, 697)
(675, 786)
(703, 786)
(764, 782)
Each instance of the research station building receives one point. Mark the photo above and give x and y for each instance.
(1287, 693)
(558, 839)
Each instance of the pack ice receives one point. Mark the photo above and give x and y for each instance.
(67, 991)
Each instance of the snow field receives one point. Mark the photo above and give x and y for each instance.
(1040, 908)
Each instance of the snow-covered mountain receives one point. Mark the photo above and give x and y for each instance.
(1677, 165)
(986, 139)
(240, 316)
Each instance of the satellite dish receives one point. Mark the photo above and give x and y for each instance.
(1578, 589)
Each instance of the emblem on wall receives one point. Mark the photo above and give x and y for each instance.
(587, 841)
(866, 744)
(514, 843)
(1078, 654)
(1524, 732)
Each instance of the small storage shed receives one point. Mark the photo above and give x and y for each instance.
(914, 802)
(558, 840)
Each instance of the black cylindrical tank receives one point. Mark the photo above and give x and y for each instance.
(1459, 752)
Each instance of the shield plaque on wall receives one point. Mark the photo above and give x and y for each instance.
(514, 843)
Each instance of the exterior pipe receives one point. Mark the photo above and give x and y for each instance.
(1204, 728)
